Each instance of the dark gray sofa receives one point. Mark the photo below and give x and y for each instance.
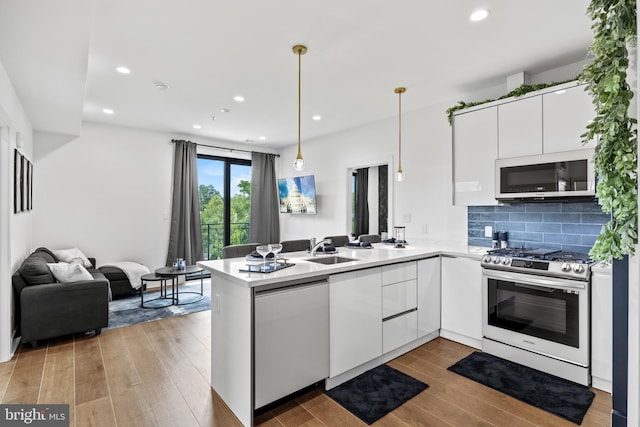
(45, 308)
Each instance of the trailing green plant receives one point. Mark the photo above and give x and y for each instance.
(616, 153)
(519, 91)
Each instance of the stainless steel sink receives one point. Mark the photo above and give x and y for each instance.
(334, 259)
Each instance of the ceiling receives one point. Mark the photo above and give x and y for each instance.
(61, 57)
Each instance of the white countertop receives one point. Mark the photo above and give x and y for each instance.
(380, 254)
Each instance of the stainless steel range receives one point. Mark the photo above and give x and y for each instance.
(536, 309)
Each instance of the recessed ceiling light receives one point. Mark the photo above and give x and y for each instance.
(107, 110)
(262, 137)
(162, 86)
(123, 70)
(479, 15)
(224, 110)
(317, 117)
(238, 98)
(197, 127)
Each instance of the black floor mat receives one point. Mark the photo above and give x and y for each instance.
(558, 396)
(372, 395)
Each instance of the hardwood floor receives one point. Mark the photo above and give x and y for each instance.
(157, 374)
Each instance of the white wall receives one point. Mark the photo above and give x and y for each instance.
(107, 192)
(15, 229)
(424, 195)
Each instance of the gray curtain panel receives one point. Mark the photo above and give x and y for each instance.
(362, 201)
(185, 238)
(265, 213)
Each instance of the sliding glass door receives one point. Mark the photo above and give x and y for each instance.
(225, 202)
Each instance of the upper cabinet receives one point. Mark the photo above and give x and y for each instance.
(550, 122)
(547, 121)
(520, 128)
(565, 116)
(475, 137)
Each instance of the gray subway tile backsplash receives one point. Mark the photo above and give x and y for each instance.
(569, 226)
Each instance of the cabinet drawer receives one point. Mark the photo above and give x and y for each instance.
(398, 273)
(399, 331)
(399, 297)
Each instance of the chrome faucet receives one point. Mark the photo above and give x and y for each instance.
(315, 247)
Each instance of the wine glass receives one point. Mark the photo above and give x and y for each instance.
(275, 248)
(263, 250)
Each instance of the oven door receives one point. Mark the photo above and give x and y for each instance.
(549, 316)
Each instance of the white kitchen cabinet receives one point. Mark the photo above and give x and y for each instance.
(520, 127)
(601, 327)
(355, 321)
(428, 296)
(399, 331)
(399, 298)
(399, 305)
(566, 114)
(462, 300)
(475, 149)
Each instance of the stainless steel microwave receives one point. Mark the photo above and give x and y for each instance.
(546, 176)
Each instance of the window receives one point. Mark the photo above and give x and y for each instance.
(224, 186)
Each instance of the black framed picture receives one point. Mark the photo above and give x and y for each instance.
(16, 181)
(30, 189)
(22, 183)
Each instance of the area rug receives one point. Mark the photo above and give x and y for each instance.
(558, 396)
(127, 311)
(372, 395)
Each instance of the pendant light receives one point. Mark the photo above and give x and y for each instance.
(400, 173)
(299, 50)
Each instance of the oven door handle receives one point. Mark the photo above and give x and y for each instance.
(536, 288)
(539, 281)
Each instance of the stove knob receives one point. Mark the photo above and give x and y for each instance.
(486, 259)
(578, 268)
(506, 261)
(565, 266)
(496, 260)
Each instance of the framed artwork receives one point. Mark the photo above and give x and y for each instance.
(22, 183)
(16, 181)
(30, 185)
(23, 206)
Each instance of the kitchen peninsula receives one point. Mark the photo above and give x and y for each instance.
(273, 334)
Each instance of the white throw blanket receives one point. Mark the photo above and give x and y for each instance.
(133, 270)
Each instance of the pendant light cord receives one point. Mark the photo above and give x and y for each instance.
(400, 130)
(299, 98)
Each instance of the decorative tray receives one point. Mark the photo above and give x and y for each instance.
(358, 247)
(268, 267)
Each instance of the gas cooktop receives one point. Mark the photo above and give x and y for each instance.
(542, 254)
(548, 262)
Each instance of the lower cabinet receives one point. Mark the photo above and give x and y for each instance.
(601, 327)
(429, 295)
(462, 300)
(399, 331)
(355, 321)
(399, 305)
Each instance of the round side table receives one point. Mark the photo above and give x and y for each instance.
(174, 273)
(164, 300)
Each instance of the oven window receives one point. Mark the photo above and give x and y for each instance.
(550, 314)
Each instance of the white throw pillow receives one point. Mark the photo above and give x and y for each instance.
(65, 273)
(68, 255)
